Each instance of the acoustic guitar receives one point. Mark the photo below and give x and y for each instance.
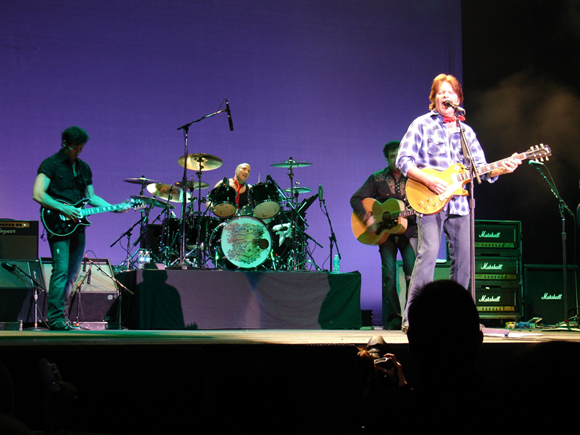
(390, 218)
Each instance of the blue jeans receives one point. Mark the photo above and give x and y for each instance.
(430, 227)
(390, 295)
(67, 255)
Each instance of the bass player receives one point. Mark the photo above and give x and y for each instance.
(65, 177)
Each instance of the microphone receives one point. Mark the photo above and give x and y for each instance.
(320, 192)
(9, 266)
(85, 263)
(229, 115)
(89, 277)
(448, 103)
(535, 162)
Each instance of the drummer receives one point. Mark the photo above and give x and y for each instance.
(240, 185)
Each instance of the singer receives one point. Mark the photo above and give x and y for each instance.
(64, 176)
(433, 141)
(382, 185)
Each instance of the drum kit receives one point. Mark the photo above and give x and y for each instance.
(267, 234)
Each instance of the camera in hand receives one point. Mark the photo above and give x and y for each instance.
(385, 363)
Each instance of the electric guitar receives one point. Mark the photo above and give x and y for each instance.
(58, 224)
(390, 217)
(425, 201)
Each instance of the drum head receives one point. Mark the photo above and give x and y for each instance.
(246, 242)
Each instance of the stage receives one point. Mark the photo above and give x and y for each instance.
(216, 381)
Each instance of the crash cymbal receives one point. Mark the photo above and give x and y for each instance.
(140, 180)
(200, 162)
(193, 185)
(298, 190)
(153, 201)
(291, 164)
(168, 192)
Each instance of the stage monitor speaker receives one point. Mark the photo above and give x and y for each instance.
(544, 292)
(97, 294)
(19, 240)
(16, 290)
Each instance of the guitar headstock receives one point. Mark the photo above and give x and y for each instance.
(135, 204)
(539, 152)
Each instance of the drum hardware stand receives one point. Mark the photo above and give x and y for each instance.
(185, 129)
(562, 208)
(119, 292)
(332, 237)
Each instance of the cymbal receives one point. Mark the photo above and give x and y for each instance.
(200, 162)
(168, 192)
(140, 180)
(290, 164)
(193, 185)
(298, 190)
(153, 201)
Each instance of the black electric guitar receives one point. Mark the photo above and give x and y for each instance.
(390, 218)
(59, 225)
(425, 201)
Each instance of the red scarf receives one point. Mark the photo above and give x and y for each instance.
(452, 118)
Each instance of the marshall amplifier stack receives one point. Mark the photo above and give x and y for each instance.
(498, 269)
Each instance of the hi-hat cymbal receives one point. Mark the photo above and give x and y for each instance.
(298, 190)
(140, 180)
(193, 185)
(153, 201)
(168, 192)
(290, 164)
(200, 162)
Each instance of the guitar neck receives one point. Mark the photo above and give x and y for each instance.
(486, 169)
(103, 209)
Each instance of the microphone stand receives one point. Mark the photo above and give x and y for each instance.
(332, 237)
(562, 208)
(36, 285)
(182, 264)
(119, 292)
(466, 149)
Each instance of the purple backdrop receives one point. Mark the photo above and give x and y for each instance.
(324, 81)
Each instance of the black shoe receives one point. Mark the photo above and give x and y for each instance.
(68, 326)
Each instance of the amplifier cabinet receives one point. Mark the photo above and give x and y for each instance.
(17, 290)
(544, 292)
(498, 299)
(501, 238)
(497, 268)
(19, 240)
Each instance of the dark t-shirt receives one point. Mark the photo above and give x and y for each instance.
(64, 185)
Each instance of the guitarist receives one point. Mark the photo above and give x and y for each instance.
(382, 185)
(63, 176)
(433, 141)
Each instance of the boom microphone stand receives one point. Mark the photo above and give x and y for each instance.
(562, 208)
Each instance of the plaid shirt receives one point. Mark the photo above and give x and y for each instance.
(429, 144)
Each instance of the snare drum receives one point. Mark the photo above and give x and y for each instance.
(243, 241)
(264, 199)
(223, 201)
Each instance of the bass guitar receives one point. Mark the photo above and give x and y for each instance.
(58, 224)
(425, 201)
(390, 218)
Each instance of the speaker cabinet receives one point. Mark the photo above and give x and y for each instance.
(19, 240)
(498, 299)
(97, 290)
(16, 290)
(544, 292)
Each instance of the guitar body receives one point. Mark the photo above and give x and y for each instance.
(425, 201)
(386, 216)
(58, 225)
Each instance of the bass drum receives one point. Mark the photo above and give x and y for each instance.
(243, 242)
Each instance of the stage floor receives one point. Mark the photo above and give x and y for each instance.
(259, 336)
